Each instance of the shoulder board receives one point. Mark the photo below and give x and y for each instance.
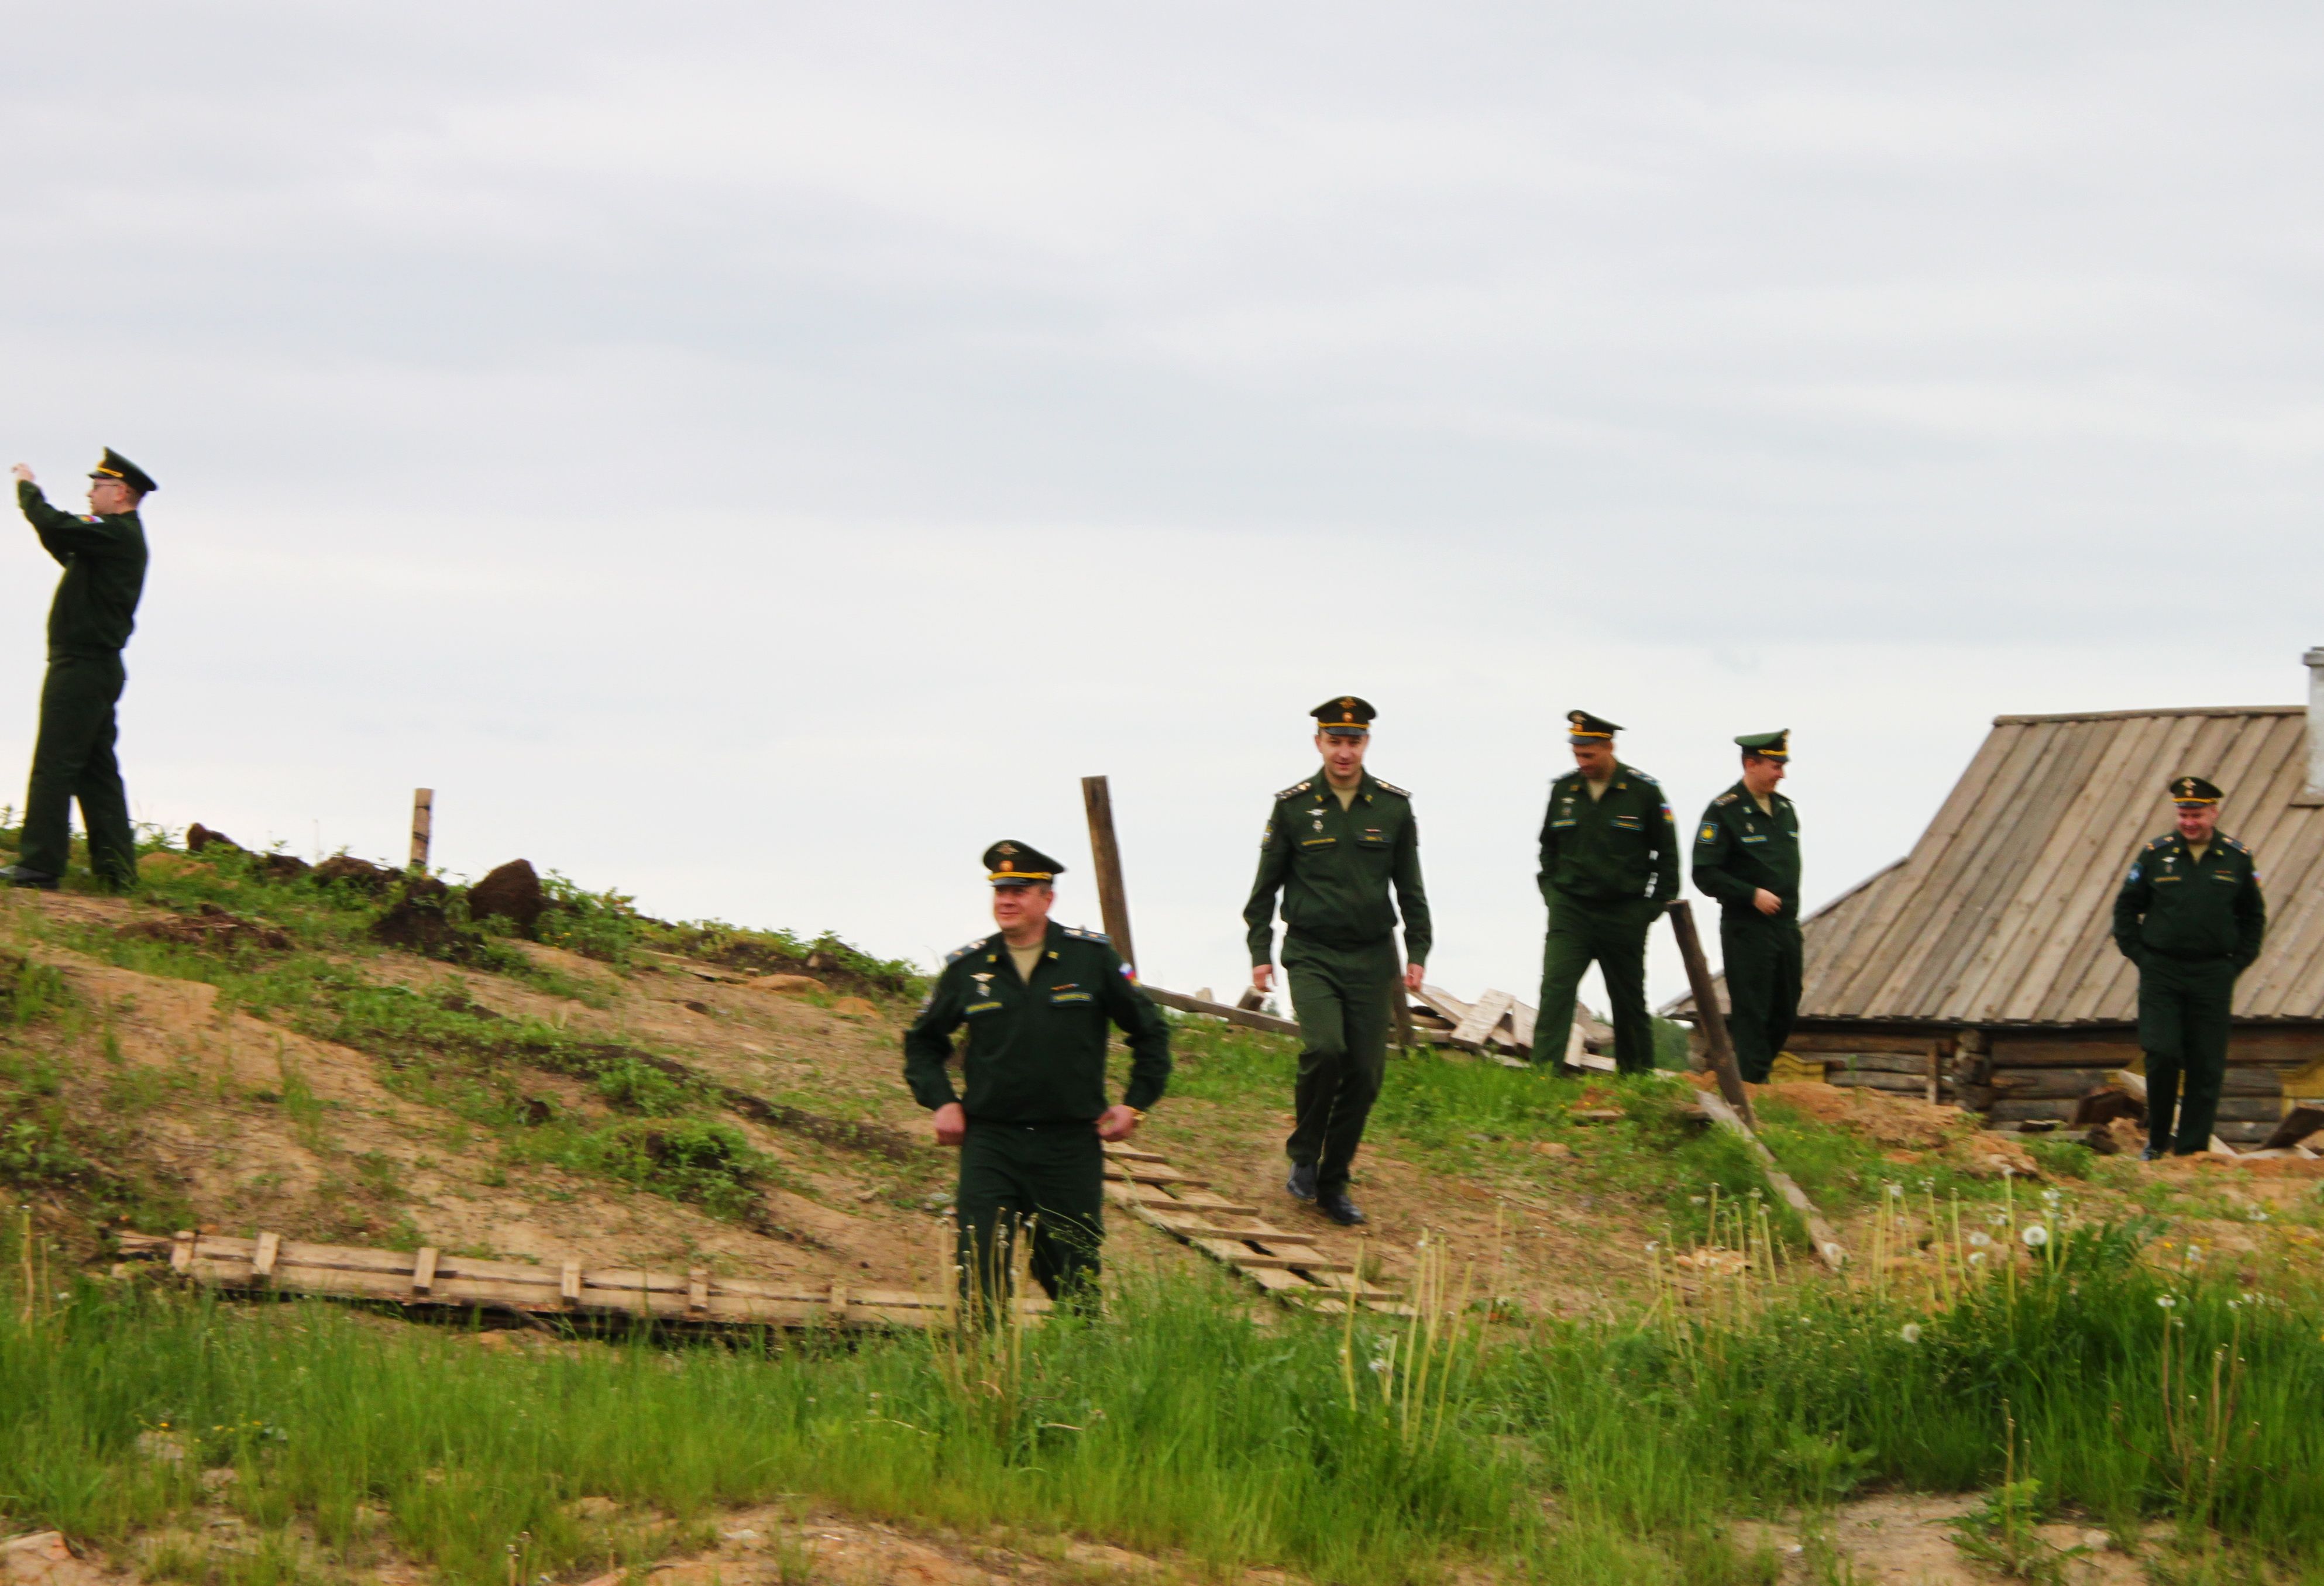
(1079, 934)
(2235, 842)
(1642, 777)
(1722, 798)
(1392, 788)
(959, 953)
(2164, 841)
(1294, 790)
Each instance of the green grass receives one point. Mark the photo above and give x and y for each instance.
(1569, 1452)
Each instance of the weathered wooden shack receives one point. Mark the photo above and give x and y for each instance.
(1983, 961)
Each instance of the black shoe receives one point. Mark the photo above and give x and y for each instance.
(2152, 1155)
(1301, 1185)
(1340, 1209)
(18, 876)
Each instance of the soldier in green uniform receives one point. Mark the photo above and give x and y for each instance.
(103, 554)
(1609, 867)
(1333, 845)
(2191, 915)
(1747, 854)
(1038, 999)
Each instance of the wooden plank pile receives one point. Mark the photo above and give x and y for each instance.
(427, 1276)
(1499, 1027)
(1283, 1262)
(2026, 1081)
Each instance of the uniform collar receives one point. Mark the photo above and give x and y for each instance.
(1366, 786)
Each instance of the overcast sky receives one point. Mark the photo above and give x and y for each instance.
(755, 456)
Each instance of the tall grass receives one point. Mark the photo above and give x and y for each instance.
(1358, 1449)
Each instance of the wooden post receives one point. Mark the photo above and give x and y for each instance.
(423, 823)
(1113, 902)
(1706, 1011)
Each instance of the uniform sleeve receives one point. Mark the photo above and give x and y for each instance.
(1149, 1034)
(1411, 895)
(63, 535)
(2130, 907)
(928, 1043)
(1549, 840)
(1259, 913)
(2251, 917)
(1714, 848)
(1666, 859)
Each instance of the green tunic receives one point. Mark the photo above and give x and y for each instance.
(1737, 852)
(1034, 1071)
(1035, 1054)
(1618, 847)
(103, 559)
(1334, 868)
(2191, 926)
(1609, 866)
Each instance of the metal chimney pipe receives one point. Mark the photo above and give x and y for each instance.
(2315, 791)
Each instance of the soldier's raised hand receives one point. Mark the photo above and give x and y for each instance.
(23, 472)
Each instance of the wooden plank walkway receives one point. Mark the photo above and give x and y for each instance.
(427, 1276)
(1280, 1260)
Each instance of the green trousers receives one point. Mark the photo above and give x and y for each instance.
(1344, 1001)
(1613, 936)
(2182, 1028)
(1762, 962)
(72, 759)
(1047, 1184)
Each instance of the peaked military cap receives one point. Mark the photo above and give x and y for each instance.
(117, 466)
(1017, 864)
(1586, 728)
(1767, 745)
(1346, 717)
(2194, 792)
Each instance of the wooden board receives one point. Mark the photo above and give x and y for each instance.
(1282, 1261)
(1483, 1017)
(431, 1277)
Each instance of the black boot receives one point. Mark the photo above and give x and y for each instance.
(18, 876)
(1340, 1209)
(1301, 1185)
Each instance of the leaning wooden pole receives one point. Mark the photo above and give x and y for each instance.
(1112, 900)
(423, 825)
(1706, 1011)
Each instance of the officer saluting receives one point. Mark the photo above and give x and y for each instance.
(2191, 915)
(1609, 866)
(1038, 998)
(1747, 854)
(103, 554)
(1333, 845)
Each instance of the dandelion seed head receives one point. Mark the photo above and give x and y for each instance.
(2034, 1235)
(1910, 1333)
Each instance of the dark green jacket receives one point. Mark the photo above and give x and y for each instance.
(1333, 867)
(1738, 851)
(1035, 1054)
(2173, 905)
(103, 559)
(1622, 845)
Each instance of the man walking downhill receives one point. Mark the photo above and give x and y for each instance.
(2191, 915)
(103, 554)
(1333, 846)
(1038, 998)
(1747, 854)
(1608, 868)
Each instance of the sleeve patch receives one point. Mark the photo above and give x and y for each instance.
(1709, 833)
(2133, 873)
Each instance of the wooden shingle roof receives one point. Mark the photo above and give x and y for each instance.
(2003, 913)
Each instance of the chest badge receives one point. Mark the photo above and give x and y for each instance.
(982, 988)
(1319, 825)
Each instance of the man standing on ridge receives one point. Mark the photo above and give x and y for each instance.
(2191, 917)
(1038, 998)
(1333, 847)
(95, 606)
(1747, 854)
(1608, 868)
